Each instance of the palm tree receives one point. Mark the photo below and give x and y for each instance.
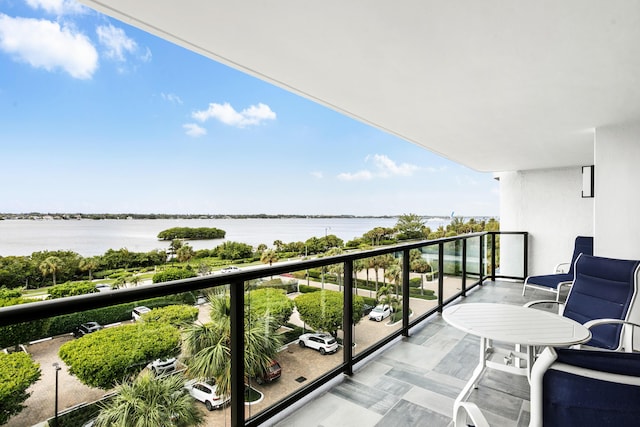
(185, 253)
(393, 273)
(134, 279)
(376, 264)
(89, 264)
(358, 266)
(208, 346)
(120, 282)
(151, 402)
(51, 265)
(337, 269)
(269, 257)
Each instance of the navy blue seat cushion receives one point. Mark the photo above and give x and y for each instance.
(603, 288)
(550, 280)
(613, 362)
(583, 245)
(574, 400)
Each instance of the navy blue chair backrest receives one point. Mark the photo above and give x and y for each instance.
(583, 245)
(603, 288)
(582, 400)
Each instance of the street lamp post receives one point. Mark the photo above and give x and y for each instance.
(57, 368)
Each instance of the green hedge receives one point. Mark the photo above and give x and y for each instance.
(108, 356)
(304, 289)
(117, 313)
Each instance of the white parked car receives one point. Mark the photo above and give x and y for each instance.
(380, 312)
(324, 343)
(205, 392)
(229, 269)
(163, 366)
(139, 311)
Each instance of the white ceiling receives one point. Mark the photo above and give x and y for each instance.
(495, 85)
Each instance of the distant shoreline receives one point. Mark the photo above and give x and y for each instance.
(125, 216)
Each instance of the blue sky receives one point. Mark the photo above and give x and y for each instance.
(97, 116)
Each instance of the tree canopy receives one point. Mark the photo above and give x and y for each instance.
(177, 315)
(323, 310)
(17, 373)
(106, 357)
(199, 233)
(151, 402)
(270, 302)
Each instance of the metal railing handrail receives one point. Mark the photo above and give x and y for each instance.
(44, 309)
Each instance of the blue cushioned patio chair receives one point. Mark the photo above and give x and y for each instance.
(556, 281)
(603, 297)
(577, 388)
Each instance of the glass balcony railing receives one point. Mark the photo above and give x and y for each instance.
(275, 333)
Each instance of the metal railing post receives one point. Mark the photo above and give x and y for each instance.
(347, 320)
(440, 276)
(237, 350)
(493, 256)
(464, 267)
(481, 261)
(406, 294)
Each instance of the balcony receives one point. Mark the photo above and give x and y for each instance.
(415, 381)
(386, 373)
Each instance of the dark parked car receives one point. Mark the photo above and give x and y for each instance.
(366, 309)
(272, 373)
(86, 328)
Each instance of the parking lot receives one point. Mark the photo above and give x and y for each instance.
(299, 367)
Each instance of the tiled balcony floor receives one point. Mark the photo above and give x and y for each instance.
(415, 382)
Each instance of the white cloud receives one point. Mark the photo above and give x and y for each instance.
(171, 97)
(384, 168)
(225, 113)
(116, 42)
(146, 56)
(192, 129)
(363, 175)
(388, 167)
(317, 174)
(45, 44)
(58, 7)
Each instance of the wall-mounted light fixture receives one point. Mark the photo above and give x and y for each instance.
(588, 180)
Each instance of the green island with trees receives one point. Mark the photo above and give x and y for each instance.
(192, 233)
(117, 356)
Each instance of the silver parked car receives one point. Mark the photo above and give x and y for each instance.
(380, 312)
(324, 343)
(163, 366)
(205, 392)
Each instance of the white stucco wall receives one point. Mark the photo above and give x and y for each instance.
(549, 205)
(617, 201)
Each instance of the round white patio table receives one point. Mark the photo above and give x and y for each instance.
(512, 324)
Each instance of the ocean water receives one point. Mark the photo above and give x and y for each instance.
(94, 237)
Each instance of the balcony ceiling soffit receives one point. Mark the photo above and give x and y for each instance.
(492, 85)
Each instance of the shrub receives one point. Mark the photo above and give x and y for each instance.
(323, 310)
(17, 373)
(173, 274)
(71, 289)
(176, 315)
(415, 282)
(304, 289)
(270, 301)
(105, 357)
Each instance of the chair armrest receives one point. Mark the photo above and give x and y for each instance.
(546, 301)
(627, 330)
(560, 268)
(596, 322)
(469, 411)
